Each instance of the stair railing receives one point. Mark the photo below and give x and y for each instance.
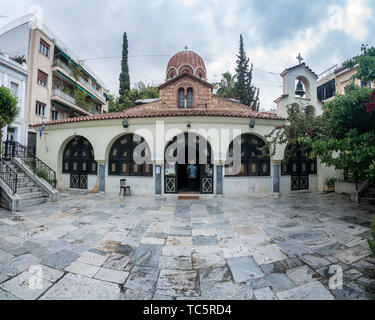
(361, 188)
(8, 176)
(13, 149)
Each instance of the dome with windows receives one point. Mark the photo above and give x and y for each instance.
(186, 62)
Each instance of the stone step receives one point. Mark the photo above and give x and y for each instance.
(23, 179)
(27, 189)
(32, 195)
(25, 184)
(33, 202)
(368, 200)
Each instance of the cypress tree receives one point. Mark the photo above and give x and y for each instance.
(246, 92)
(124, 75)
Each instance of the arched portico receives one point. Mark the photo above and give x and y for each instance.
(188, 164)
(78, 161)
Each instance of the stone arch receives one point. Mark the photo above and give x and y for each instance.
(199, 71)
(78, 160)
(62, 147)
(184, 152)
(186, 67)
(175, 73)
(123, 159)
(254, 161)
(311, 110)
(237, 134)
(299, 168)
(119, 135)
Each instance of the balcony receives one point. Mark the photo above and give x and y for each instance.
(69, 101)
(87, 85)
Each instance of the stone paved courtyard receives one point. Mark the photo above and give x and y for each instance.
(96, 246)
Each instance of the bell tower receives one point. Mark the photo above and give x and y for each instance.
(299, 88)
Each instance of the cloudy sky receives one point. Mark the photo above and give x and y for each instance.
(324, 32)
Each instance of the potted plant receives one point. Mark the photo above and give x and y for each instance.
(329, 185)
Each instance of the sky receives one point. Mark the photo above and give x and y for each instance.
(325, 32)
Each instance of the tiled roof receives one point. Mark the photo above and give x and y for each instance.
(187, 75)
(154, 110)
(298, 65)
(186, 57)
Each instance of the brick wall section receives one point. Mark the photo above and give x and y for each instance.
(205, 104)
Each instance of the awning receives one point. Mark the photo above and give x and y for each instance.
(76, 64)
(77, 85)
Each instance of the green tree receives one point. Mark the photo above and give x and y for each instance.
(299, 132)
(82, 100)
(227, 86)
(348, 141)
(8, 108)
(124, 75)
(366, 62)
(245, 91)
(140, 91)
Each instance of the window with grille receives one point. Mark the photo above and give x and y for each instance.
(190, 98)
(55, 115)
(42, 78)
(40, 109)
(79, 157)
(296, 160)
(122, 158)
(181, 98)
(326, 90)
(254, 161)
(14, 89)
(44, 48)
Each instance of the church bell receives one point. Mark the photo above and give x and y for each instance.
(299, 91)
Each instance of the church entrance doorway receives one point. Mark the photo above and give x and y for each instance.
(299, 167)
(78, 161)
(192, 170)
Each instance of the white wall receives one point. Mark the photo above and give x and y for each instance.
(12, 72)
(247, 186)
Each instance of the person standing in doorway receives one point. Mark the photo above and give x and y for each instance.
(191, 171)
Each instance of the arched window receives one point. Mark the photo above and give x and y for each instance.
(296, 163)
(172, 75)
(122, 158)
(254, 162)
(181, 98)
(79, 157)
(190, 98)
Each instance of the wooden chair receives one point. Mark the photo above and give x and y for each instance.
(124, 187)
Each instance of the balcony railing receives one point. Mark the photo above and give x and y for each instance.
(67, 68)
(68, 97)
(62, 94)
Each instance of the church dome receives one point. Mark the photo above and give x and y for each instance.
(186, 62)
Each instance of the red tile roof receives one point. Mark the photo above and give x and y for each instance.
(225, 108)
(186, 58)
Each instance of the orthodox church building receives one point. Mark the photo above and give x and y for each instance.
(100, 150)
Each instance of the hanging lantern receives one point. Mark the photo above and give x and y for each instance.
(299, 91)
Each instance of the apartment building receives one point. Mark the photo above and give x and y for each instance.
(13, 75)
(335, 80)
(59, 86)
